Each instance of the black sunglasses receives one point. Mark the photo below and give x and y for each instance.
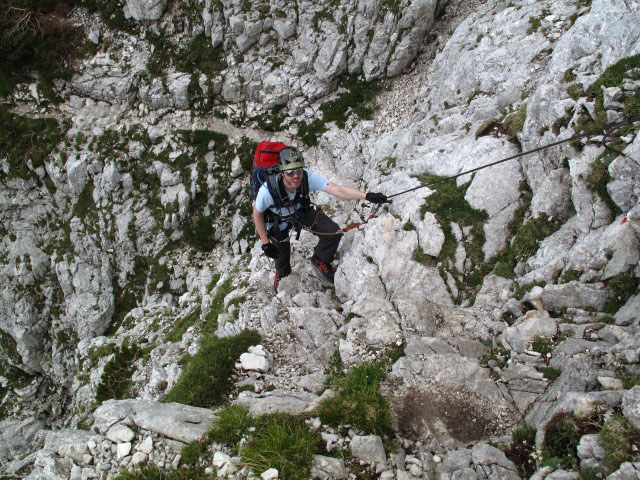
(291, 173)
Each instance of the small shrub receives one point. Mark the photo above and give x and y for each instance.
(26, 142)
(36, 36)
(116, 376)
(359, 401)
(561, 439)
(523, 444)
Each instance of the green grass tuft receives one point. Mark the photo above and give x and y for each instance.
(155, 473)
(616, 438)
(183, 325)
(283, 442)
(359, 401)
(206, 380)
(622, 287)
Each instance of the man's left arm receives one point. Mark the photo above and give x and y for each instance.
(347, 193)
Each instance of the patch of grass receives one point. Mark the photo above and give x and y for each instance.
(598, 179)
(622, 287)
(570, 275)
(534, 25)
(200, 56)
(359, 402)
(154, 473)
(550, 373)
(85, 205)
(232, 424)
(542, 345)
(206, 380)
(617, 437)
(575, 91)
(448, 204)
(277, 440)
(283, 442)
(613, 76)
(523, 444)
(183, 325)
(509, 125)
(357, 99)
(26, 143)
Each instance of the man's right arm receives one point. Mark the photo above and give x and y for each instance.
(261, 227)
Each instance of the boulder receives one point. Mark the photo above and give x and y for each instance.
(173, 420)
(575, 295)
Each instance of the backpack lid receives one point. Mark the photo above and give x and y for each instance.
(266, 154)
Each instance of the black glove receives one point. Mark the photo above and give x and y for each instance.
(376, 198)
(270, 250)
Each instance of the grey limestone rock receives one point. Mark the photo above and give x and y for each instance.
(326, 468)
(534, 323)
(173, 420)
(574, 294)
(144, 9)
(278, 400)
(631, 406)
(368, 448)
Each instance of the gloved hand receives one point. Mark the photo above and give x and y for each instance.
(376, 198)
(270, 250)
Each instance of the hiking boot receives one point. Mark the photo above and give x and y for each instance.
(326, 269)
(277, 278)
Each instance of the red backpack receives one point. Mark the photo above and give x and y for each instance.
(265, 164)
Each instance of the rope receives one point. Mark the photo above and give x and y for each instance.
(608, 128)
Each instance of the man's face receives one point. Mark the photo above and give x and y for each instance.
(292, 182)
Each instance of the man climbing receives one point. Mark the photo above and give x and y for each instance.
(286, 204)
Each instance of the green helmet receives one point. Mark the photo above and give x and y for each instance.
(290, 158)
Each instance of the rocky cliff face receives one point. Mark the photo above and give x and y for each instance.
(504, 298)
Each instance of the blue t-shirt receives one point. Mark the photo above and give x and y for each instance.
(264, 199)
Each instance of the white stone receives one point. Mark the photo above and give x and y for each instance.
(271, 474)
(139, 458)
(123, 450)
(253, 362)
(120, 433)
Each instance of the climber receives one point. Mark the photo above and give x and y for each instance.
(291, 207)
